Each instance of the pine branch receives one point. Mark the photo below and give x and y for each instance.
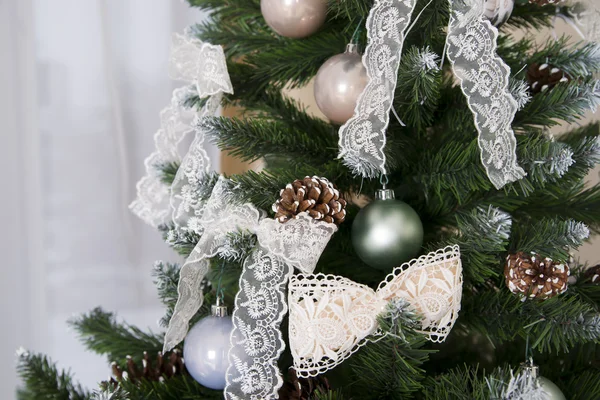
(515, 53)
(462, 383)
(418, 89)
(482, 234)
(167, 172)
(550, 237)
(556, 324)
(390, 367)
(586, 151)
(532, 16)
(578, 61)
(273, 105)
(567, 102)
(585, 386)
(568, 203)
(111, 393)
(429, 28)
(100, 332)
(176, 388)
(43, 380)
(252, 139)
(166, 279)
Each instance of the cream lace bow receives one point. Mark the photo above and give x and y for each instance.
(332, 316)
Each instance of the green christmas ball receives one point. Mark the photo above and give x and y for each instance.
(387, 232)
(551, 389)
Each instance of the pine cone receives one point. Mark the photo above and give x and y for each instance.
(544, 77)
(534, 277)
(545, 2)
(164, 367)
(316, 196)
(593, 274)
(302, 388)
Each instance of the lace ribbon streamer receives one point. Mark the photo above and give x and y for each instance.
(203, 66)
(220, 216)
(471, 47)
(256, 340)
(362, 137)
(331, 317)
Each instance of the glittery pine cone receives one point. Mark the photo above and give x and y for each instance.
(316, 196)
(535, 277)
(543, 77)
(545, 2)
(302, 388)
(593, 274)
(162, 367)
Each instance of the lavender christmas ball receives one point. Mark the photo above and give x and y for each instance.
(205, 351)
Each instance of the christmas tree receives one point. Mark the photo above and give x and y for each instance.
(417, 244)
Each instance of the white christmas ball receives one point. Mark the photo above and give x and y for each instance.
(294, 18)
(205, 351)
(498, 11)
(339, 83)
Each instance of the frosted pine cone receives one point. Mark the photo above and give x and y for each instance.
(593, 274)
(316, 196)
(535, 277)
(543, 77)
(545, 2)
(302, 388)
(163, 367)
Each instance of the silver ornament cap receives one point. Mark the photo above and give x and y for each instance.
(218, 310)
(294, 18)
(339, 83)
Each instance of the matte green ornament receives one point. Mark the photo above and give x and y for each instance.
(551, 389)
(387, 232)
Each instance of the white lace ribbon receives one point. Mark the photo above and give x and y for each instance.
(331, 317)
(260, 305)
(220, 217)
(362, 138)
(152, 201)
(203, 66)
(471, 47)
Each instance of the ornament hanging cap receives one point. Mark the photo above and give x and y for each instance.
(218, 310)
(352, 48)
(384, 193)
(529, 368)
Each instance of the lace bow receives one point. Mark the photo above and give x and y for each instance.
(256, 340)
(203, 67)
(331, 317)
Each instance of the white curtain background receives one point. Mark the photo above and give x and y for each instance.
(83, 83)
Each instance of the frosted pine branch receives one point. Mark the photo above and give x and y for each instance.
(577, 232)
(495, 222)
(520, 92)
(426, 60)
(560, 165)
(524, 386)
